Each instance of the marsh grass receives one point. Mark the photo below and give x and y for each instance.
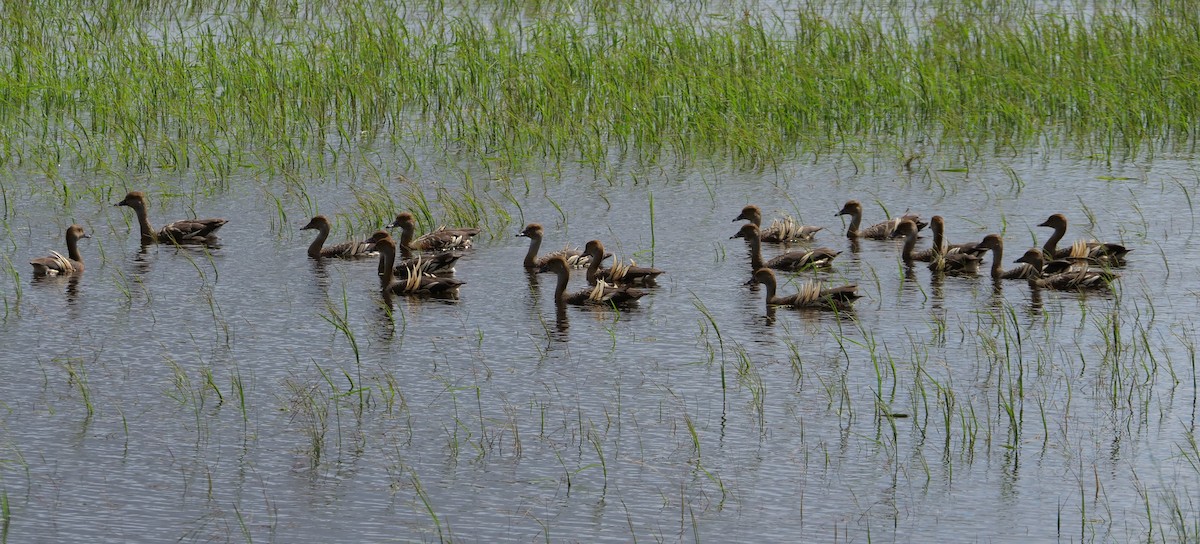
(156, 88)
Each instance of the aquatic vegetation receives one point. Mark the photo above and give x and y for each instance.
(176, 88)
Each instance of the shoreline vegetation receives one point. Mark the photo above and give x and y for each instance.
(217, 87)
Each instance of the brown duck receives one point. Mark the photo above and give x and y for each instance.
(1076, 277)
(780, 230)
(1092, 250)
(602, 294)
(58, 265)
(187, 231)
(437, 264)
(950, 263)
(619, 274)
(878, 231)
(442, 239)
(810, 295)
(790, 261)
(414, 284)
(941, 246)
(573, 257)
(995, 244)
(352, 249)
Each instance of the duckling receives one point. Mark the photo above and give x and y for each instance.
(790, 261)
(811, 294)
(878, 231)
(56, 264)
(1095, 252)
(574, 257)
(602, 294)
(619, 274)
(780, 230)
(414, 284)
(178, 232)
(352, 249)
(442, 239)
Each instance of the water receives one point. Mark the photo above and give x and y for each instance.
(692, 417)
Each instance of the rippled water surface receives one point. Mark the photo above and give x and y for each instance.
(249, 393)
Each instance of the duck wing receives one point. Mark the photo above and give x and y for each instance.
(191, 230)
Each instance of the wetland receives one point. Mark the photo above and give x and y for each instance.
(245, 392)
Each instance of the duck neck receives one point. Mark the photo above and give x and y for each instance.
(1052, 243)
(406, 238)
(314, 249)
(997, 260)
(769, 286)
(593, 266)
(910, 241)
(535, 243)
(560, 287)
(387, 259)
(756, 260)
(939, 239)
(144, 223)
(73, 249)
(855, 222)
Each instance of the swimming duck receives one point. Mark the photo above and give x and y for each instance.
(878, 231)
(414, 284)
(441, 239)
(346, 250)
(950, 263)
(790, 261)
(994, 243)
(811, 294)
(619, 274)
(602, 294)
(1076, 277)
(179, 232)
(1094, 251)
(780, 230)
(438, 264)
(942, 247)
(58, 265)
(573, 257)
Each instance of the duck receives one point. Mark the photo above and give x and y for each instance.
(414, 284)
(950, 263)
(603, 294)
(878, 231)
(994, 243)
(780, 230)
(352, 249)
(940, 246)
(619, 274)
(1094, 251)
(441, 239)
(790, 261)
(1078, 276)
(179, 232)
(438, 264)
(810, 295)
(574, 257)
(58, 265)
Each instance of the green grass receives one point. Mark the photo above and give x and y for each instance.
(147, 86)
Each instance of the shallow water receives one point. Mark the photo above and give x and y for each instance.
(1018, 417)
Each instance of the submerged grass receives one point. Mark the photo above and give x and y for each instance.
(146, 86)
